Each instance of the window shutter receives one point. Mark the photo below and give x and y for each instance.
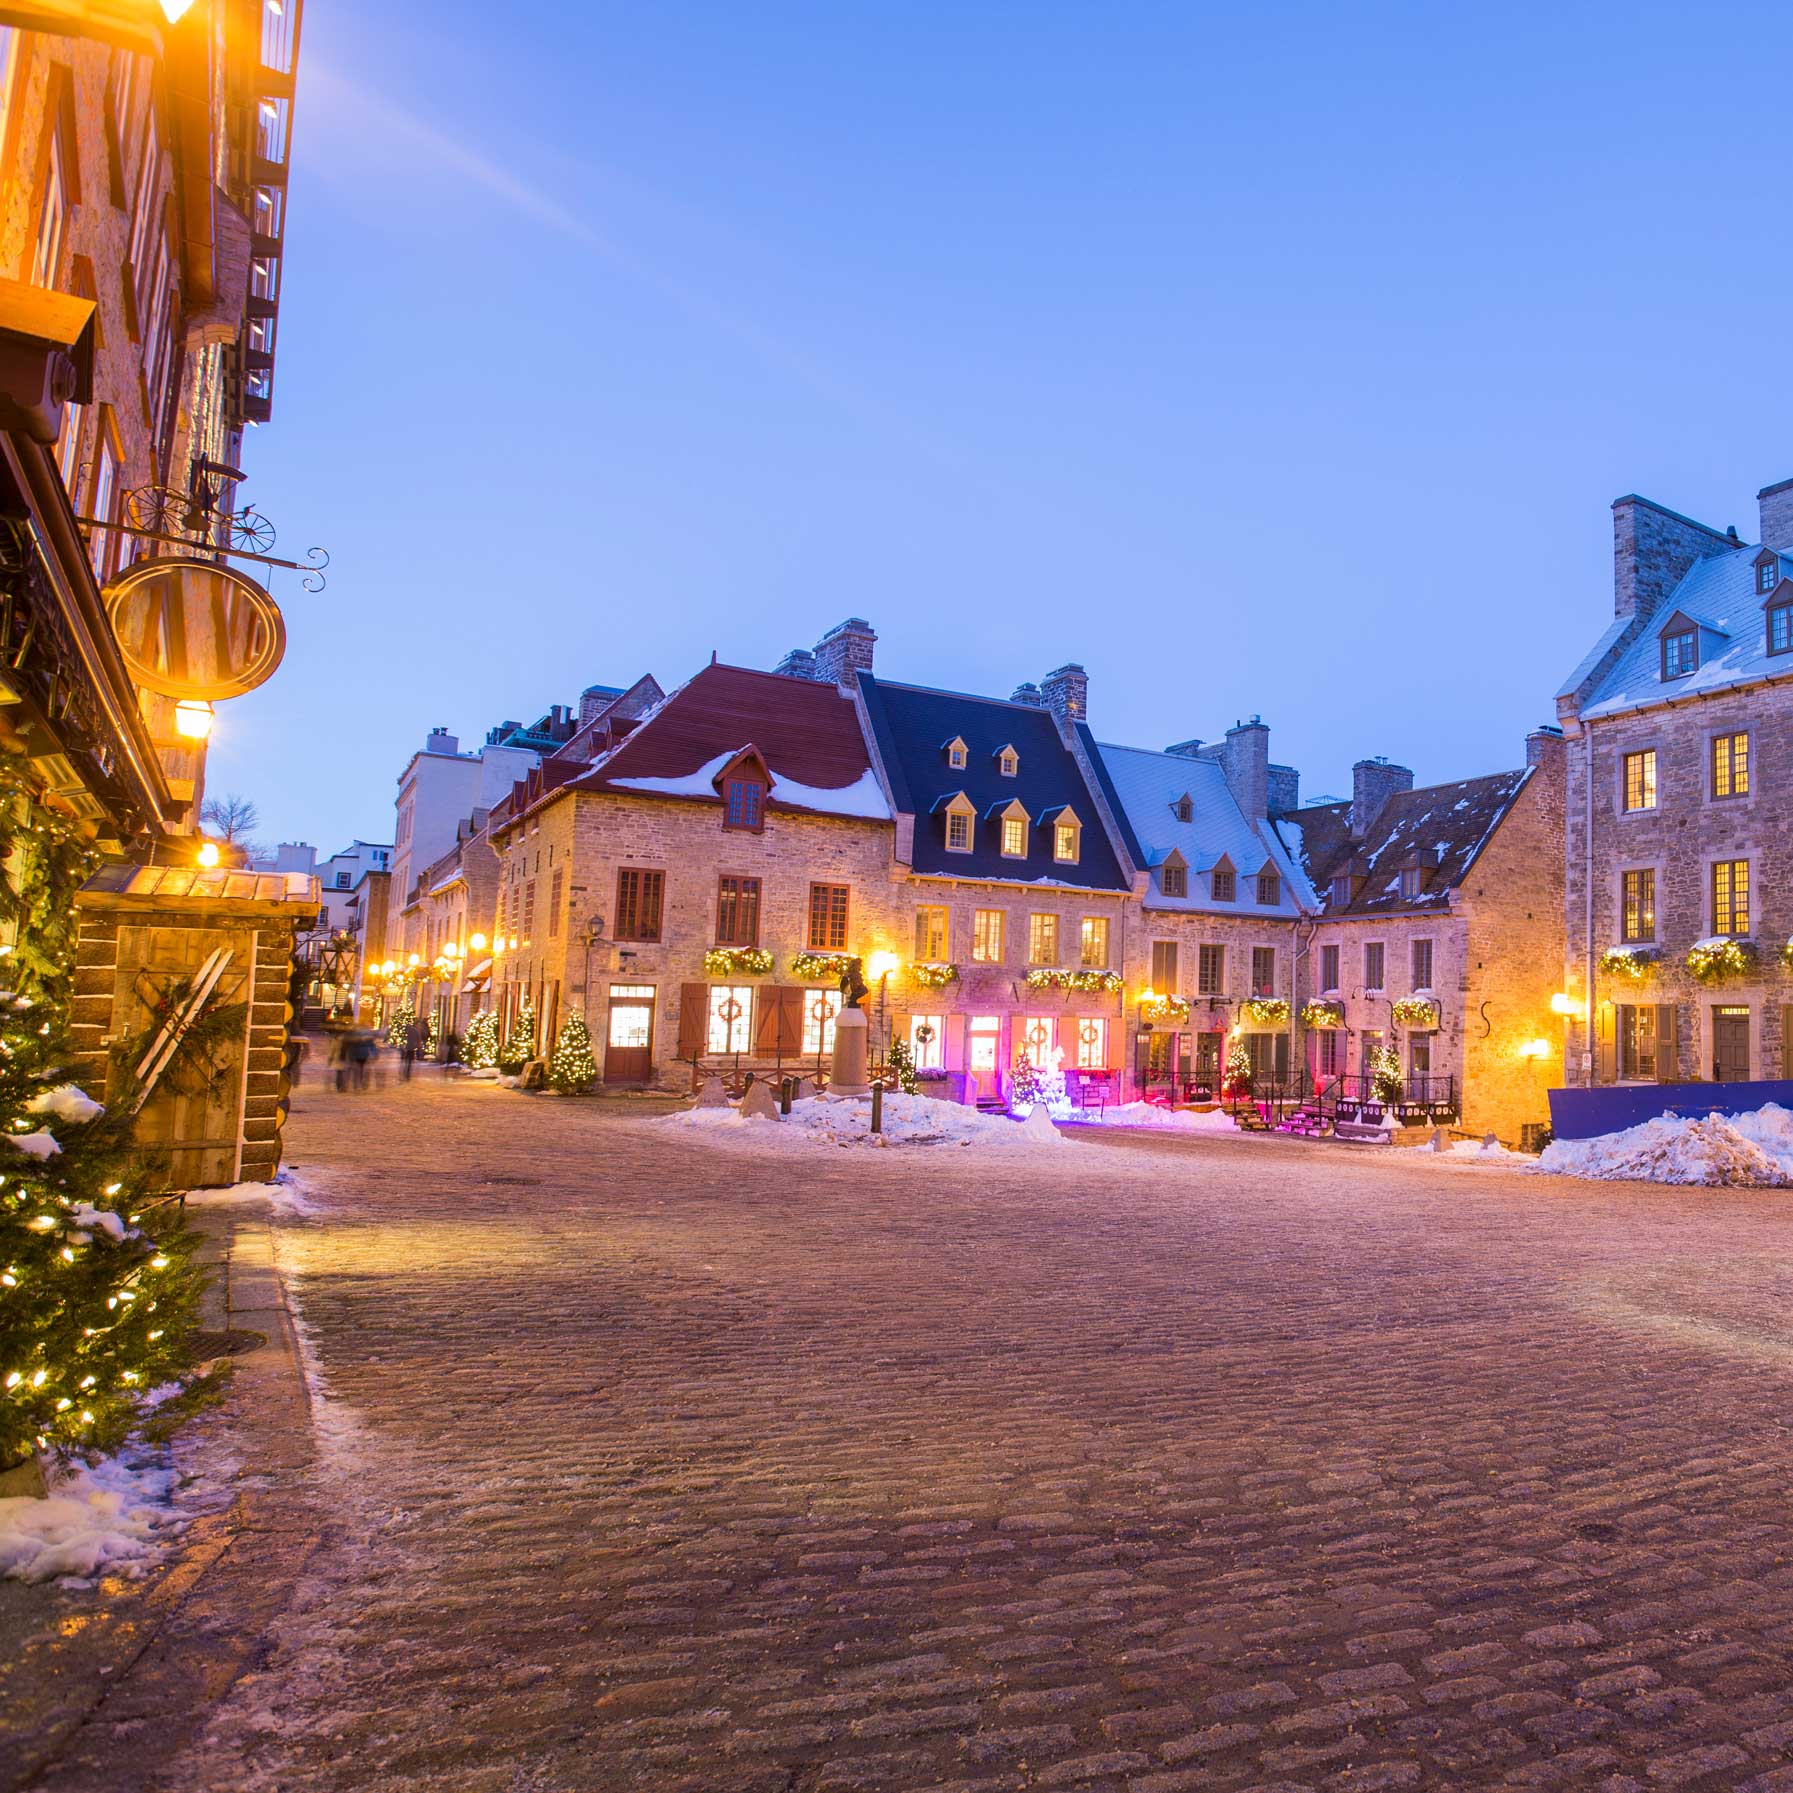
(952, 1045)
(1606, 1045)
(1668, 1058)
(694, 1013)
(777, 1021)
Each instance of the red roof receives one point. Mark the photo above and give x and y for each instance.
(807, 732)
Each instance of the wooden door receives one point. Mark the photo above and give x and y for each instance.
(982, 1056)
(1730, 1045)
(190, 1129)
(629, 1033)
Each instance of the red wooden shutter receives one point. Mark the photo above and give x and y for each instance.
(790, 1018)
(694, 1017)
(766, 1011)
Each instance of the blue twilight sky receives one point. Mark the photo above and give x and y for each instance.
(1281, 358)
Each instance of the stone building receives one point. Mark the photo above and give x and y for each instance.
(1437, 939)
(1679, 856)
(1212, 950)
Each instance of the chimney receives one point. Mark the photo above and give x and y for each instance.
(799, 663)
(1066, 691)
(1285, 790)
(591, 704)
(1245, 759)
(845, 651)
(1186, 750)
(1543, 743)
(1029, 694)
(1653, 548)
(439, 740)
(1373, 782)
(1777, 516)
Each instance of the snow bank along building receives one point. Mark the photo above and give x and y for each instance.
(693, 878)
(1679, 853)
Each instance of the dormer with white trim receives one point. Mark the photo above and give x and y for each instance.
(958, 755)
(1013, 823)
(1008, 762)
(1067, 834)
(959, 821)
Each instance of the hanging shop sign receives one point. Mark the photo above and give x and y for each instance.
(194, 628)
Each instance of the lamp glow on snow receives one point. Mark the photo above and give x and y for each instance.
(193, 719)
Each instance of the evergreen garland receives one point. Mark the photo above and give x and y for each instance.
(519, 1049)
(572, 1069)
(479, 1045)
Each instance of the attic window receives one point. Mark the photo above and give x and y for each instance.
(956, 755)
(1064, 842)
(1174, 880)
(1009, 763)
(1780, 628)
(1185, 809)
(1680, 653)
(745, 805)
(1269, 890)
(1341, 889)
(1768, 576)
(1411, 880)
(1222, 886)
(1014, 837)
(958, 832)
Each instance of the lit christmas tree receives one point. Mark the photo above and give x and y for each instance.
(1385, 1074)
(407, 1013)
(479, 1044)
(572, 1068)
(519, 1049)
(1236, 1084)
(900, 1062)
(1051, 1087)
(432, 1040)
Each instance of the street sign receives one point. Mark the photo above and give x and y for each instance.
(194, 628)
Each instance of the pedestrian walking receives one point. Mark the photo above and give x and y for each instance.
(411, 1043)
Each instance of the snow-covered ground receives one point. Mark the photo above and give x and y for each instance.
(1169, 1120)
(1752, 1150)
(908, 1121)
(115, 1519)
(1476, 1151)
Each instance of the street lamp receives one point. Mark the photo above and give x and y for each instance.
(208, 854)
(193, 719)
(879, 966)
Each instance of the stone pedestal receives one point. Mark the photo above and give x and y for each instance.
(847, 1076)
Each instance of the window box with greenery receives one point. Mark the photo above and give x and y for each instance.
(731, 961)
(818, 968)
(1265, 1011)
(1418, 1013)
(934, 977)
(1154, 1008)
(1089, 983)
(1718, 960)
(1323, 1017)
(1635, 963)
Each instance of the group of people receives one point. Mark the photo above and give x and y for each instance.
(355, 1051)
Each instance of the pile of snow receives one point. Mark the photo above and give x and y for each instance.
(66, 1102)
(908, 1121)
(1478, 1150)
(1752, 1150)
(1152, 1114)
(113, 1519)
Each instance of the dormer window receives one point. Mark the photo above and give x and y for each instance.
(1269, 890)
(1768, 576)
(960, 824)
(745, 804)
(1014, 838)
(1412, 878)
(1341, 890)
(1174, 879)
(1064, 842)
(1008, 763)
(1680, 653)
(957, 754)
(1780, 628)
(1222, 885)
(1185, 808)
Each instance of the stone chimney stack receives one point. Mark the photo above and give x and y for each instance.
(440, 740)
(1245, 759)
(1543, 745)
(1285, 790)
(799, 663)
(1373, 782)
(1653, 548)
(1777, 516)
(1028, 694)
(845, 652)
(1066, 691)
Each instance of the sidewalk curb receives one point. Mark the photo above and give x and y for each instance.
(168, 1647)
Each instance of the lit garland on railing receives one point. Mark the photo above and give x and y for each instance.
(737, 961)
(1419, 1012)
(1633, 962)
(934, 977)
(1323, 1016)
(1721, 961)
(1266, 1011)
(1086, 983)
(815, 968)
(1155, 1008)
